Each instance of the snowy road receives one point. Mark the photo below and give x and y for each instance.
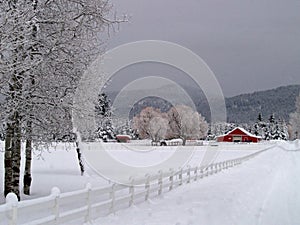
(262, 191)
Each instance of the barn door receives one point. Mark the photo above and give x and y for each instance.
(237, 139)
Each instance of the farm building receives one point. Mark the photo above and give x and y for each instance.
(238, 135)
(123, 138)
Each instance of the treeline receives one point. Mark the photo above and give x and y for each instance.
(240, 109)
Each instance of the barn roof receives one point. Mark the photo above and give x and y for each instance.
(243, 130)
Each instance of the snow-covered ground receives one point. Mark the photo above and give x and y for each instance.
(58, 166)
(263, 190)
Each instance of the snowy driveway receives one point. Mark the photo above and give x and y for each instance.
(262, 191)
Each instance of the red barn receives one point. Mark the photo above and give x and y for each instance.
(238, 135)
(123, 138)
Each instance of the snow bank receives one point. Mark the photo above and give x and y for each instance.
(290, 146)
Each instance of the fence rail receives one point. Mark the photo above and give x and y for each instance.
(91, 203)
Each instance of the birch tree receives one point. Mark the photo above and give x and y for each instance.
(44, 48)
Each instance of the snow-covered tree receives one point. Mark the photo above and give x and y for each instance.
(126, 128)
(44, 48)
(186, 123)
(147, 124)
(259, 118)
(272, 118)
(158, 127)
(295, 120)
(103, 116)
(217, 129)
(273, 129)
(103, 107)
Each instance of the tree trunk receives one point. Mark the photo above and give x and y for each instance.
(28, 156)
(13, 156)
(79, 158)
(8, 160)
(16, 156)
(183, 141)
(28, 148)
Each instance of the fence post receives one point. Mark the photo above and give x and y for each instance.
(88, 202)
(131, 191)
(147, 186)
(160, 178)
(196, 173)
(214, 168)
(189, 174)
(12, 201)
(211, 168)
(55, 192)
(201, 172)
(171, 179)
(219, 167)
(112, 197)
(180, 177)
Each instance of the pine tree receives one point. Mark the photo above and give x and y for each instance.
(103, 114)
(127, 129)
(272, 118)
(259, 118)
(103, 106)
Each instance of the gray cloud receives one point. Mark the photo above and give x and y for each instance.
(250, 44)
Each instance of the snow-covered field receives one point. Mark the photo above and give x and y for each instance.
(263, 190)
(58, 166)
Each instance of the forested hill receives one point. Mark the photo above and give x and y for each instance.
(240, 109)
(246, 107)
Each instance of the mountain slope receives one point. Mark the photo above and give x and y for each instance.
(240, 109)
(246, 107)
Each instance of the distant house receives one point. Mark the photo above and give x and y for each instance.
(238, 134)
(123, 138)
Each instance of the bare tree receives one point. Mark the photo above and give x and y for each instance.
(295, 120)
(158, 127)
(179, 122)
(186, 123)
(151, 123)
(44, 48)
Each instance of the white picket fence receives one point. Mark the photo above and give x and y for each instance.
(90, 203)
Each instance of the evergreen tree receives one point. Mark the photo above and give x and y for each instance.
(103, 106)
(127, 129)
(103, 114)
(259, 118)
(272, 118)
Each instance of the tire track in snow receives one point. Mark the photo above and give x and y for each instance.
(281, 204)
(269, 193)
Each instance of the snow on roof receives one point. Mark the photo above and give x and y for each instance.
(123, 136)
(243, 130)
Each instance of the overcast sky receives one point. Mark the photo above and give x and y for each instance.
(249, 44)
